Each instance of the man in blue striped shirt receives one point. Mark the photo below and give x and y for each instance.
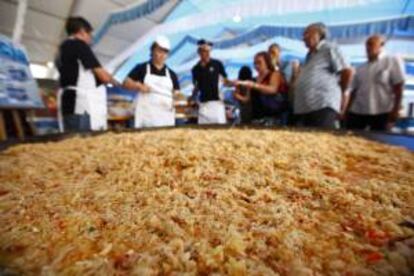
(319, 95)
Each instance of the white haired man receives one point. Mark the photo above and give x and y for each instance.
(323, 80)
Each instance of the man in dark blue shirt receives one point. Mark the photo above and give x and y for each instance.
(206, 79)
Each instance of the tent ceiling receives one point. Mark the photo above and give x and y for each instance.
(45, 19)
(44, 24)
(120, 36)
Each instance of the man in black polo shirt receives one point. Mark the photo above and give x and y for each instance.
(80, 75)
(206, 79)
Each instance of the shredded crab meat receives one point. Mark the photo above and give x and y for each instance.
(198, 202)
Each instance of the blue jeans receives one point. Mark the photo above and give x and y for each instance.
(76, 122)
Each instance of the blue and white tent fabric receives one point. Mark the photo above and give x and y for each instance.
(18, 89)
(241, 28)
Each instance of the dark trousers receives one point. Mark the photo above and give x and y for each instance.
(323, 118)
(374, 122)
(76, 122)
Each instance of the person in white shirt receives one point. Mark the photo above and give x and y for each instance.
(376, 90)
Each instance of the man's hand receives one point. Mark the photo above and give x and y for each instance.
(103, 76)
(229, 83)
(393, 116)
(136, 86)
(345, 104)
(345, 79)
(342, 116)
(144, 88)
(248, 84)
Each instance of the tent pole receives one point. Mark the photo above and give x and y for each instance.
(19, 24)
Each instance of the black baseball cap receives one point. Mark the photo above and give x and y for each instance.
(204, 42)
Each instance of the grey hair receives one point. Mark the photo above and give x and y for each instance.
(321, 28)
(274, 45)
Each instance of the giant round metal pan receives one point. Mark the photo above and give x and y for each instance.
(403, 140)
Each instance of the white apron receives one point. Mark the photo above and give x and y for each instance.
(89, 99)
(212, 112)
(156, 108)
(98, 108)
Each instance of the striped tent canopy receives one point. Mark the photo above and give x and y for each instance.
(241, 28)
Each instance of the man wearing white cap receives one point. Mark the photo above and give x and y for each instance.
(206, 76)
(156, 85)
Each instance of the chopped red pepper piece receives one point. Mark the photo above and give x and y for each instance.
(374, 257)
(377, 237)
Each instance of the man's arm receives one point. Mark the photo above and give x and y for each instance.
(176, 83)
(135, 79)
(228, 83)
(295, 72)
(398, 93)
(348, 100)
(397, 81)
(340, 66)
(103, 76)
(89, 61)
(194, 94)
(223, 74)
(344, 82)
(133, 85)
(345, 79)
(268, 89)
